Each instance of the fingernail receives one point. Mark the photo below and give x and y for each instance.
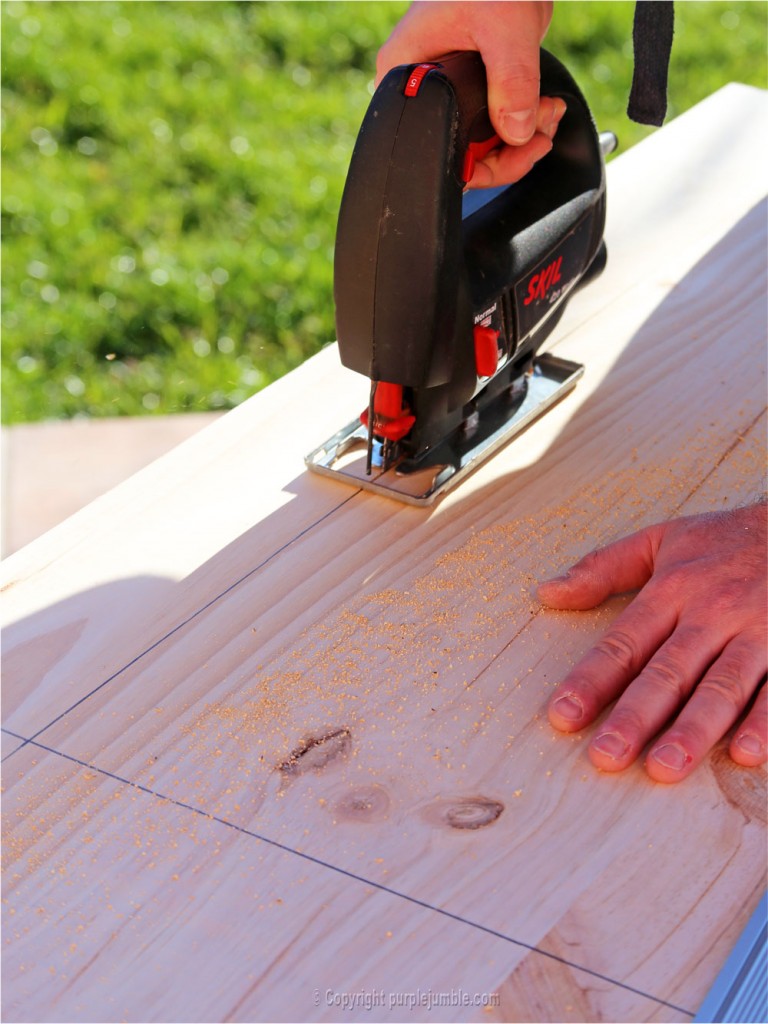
(564, 578)
(569, 707)
(611, 744)
(750, 744)
(518, 125)
(672, 756)
(557, 117)
(551, 128)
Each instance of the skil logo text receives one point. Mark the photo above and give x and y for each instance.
(540, 284)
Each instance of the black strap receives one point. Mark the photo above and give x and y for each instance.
(652, 39)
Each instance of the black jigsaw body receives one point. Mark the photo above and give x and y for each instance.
(445, 296)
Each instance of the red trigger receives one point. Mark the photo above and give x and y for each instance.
(477, 151)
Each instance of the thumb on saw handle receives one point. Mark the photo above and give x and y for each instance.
(488, 160)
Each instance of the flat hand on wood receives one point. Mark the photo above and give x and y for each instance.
(692, 644)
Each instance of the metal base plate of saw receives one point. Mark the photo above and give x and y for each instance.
(421, 482)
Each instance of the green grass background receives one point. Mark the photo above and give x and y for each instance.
(171, 174)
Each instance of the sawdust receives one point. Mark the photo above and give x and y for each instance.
(421, 673)
(398, 655)
(387, 658)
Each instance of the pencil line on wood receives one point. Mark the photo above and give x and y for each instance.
(720, 460)
(318, 861)
(189, 618)
(506, 647)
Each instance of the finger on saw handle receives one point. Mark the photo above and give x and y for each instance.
(510, 51)
(715, 704)
(507, 36)
(749, 746)
(507, 164)
(427, 31)
(654, 696)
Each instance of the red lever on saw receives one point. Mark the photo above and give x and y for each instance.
(482, 137)
(391, 418)
(477, 151)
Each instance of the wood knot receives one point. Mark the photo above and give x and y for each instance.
(317, 752)
(471, 812)
(743, 788)
(365, 804)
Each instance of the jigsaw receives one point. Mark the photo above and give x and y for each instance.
(443, 294)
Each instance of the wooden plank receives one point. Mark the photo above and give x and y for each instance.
(92, 942)
(349, 693)
(78, 955)
(120, 557)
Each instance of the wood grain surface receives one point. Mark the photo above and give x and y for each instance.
(276, 749)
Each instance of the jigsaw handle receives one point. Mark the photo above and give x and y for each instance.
(398, 240)
(476, 136)
(413, 269)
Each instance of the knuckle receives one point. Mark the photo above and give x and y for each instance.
(591, 562)
(629, 721)
(665, 674)
(725, 688)
(521, 74)
(727, 596)
(620, 648)
(677, 579)
(744, 661)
